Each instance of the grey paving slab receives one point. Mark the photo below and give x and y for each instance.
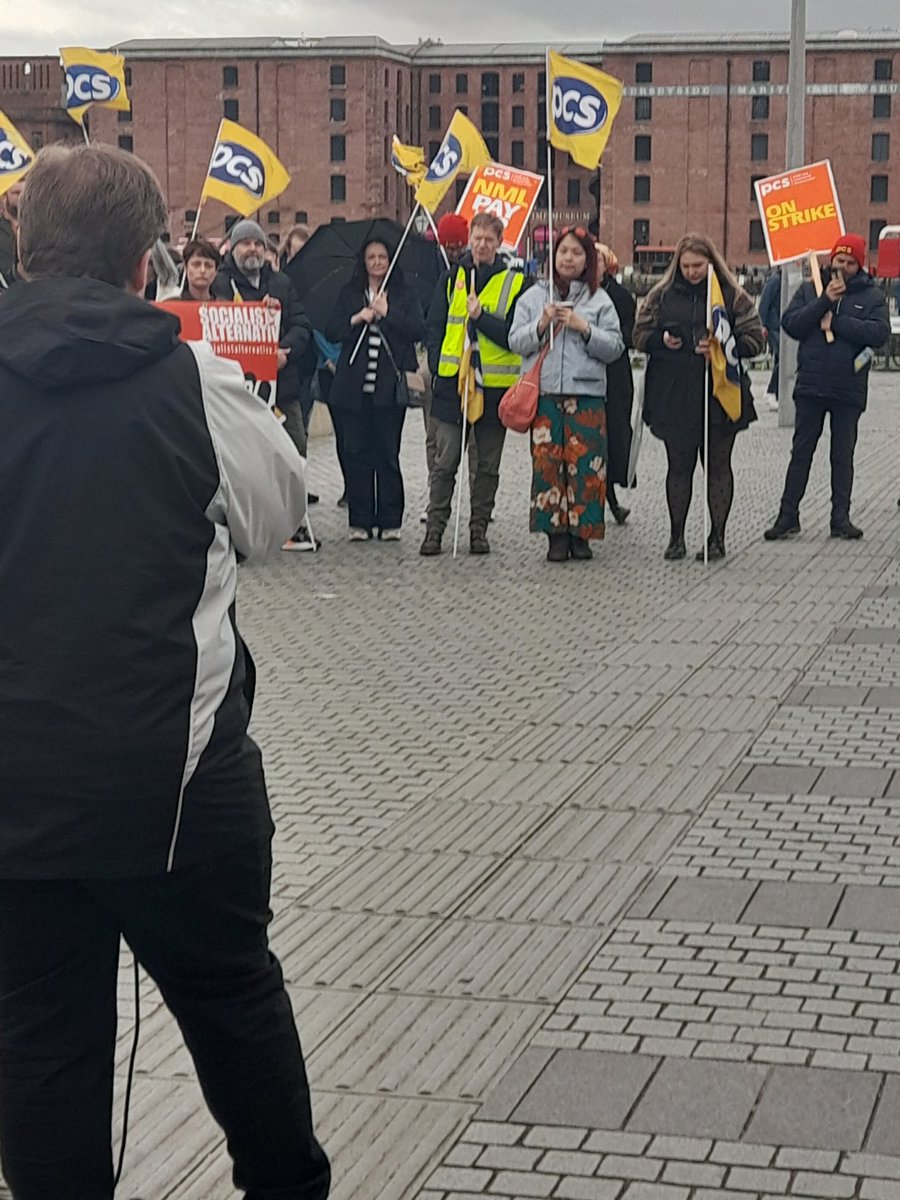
(854, 781)
(884, 1134)
(710, 900)
(810, 905)
(502, 1100)
(883, 697)
(871, 636)
(557, 893)
(585, 1088)
(872, 909)
(648, 787)
(464, 826)
(779, 781)
(699, 1099)
(818, 1109)
(596, 836)
(833, 696)
(893, 788)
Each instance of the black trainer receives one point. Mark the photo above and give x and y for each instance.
(850, 533)
(432, 544)
(784, 527)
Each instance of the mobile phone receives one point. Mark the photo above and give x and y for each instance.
(837, 273)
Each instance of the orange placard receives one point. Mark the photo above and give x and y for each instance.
(247, 333)
(800, 212)
(504, 192)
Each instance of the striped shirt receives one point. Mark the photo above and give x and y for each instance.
(373, 349)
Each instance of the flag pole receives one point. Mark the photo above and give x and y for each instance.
(709, 274)
(549, 100)
(437, 236)
(462, 469)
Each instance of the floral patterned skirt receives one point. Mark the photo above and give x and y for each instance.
(568, 454)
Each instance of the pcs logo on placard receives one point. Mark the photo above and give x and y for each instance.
(446, 160)
(12, 157)
(578, 107)
(89, 85)
(239, 167)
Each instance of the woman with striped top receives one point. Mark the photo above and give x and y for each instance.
(364, 390)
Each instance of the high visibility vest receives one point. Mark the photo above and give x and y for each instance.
(500, 368)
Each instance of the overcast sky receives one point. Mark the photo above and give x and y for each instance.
(41, 26)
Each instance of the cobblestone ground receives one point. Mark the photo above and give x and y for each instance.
(584, 882)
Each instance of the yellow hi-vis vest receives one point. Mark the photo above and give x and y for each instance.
(500, 368)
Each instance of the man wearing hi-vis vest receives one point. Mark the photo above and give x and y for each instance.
(490, 306)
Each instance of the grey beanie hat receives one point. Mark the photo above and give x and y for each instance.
(243, 230)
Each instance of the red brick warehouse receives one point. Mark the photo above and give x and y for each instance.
(701, 118)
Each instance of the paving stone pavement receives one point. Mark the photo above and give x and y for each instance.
(585, 875)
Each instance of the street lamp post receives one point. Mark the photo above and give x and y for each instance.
(791, 274)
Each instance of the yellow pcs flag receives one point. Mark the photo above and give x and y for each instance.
(723, 355)
(93, 78)
(408, 161)
(583, 105)
(461, 151)
(243, 172)
(16, 156)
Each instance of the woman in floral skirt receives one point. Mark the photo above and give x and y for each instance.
(568, 438)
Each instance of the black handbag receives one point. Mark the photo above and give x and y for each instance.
(403, 396)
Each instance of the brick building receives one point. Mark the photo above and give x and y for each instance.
(702, 116)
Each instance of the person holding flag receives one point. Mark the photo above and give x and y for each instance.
(468, 324)
(695, 326)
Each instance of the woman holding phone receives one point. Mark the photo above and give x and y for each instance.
(672, 330)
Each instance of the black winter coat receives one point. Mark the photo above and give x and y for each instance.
(619, 388)
(403, 326)
(825, 369)
(296, 331)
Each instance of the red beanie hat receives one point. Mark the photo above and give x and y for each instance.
(453, 230)
(852, 244)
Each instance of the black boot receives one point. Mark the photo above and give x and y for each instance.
(620, 514)
(676, 548)
(785, 526)
(715, 548)
(559, 547)
(844, 529)
(579, 548)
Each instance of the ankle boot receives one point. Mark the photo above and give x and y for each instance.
(558, 550)
(676, 548)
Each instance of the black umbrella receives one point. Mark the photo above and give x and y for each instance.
(327, 260)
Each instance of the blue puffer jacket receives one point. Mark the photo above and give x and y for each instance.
(825, 369)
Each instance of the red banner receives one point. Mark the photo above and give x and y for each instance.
(246, 333)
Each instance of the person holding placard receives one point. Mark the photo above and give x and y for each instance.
(832, 377)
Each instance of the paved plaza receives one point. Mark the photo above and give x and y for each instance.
(585, 874)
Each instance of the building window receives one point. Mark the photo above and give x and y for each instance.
(461, 185)
(643, 72)
(757, 237)
(464, 109)
(126, 142)
(881, 147)
(762, 70)
(123, 116)
(433, 148)
(573, 193)
(641, 233)
(462, 85)
(37, 140)
(231, 110)
(493, 147)
(643, 108)
(518, 116)
(490, 117)
(230, 221)
(128, 77)
(490, 84)
(338, 148)
(881, 108)
(190, 216)
(878, 189)
(338, 188)
(884, 68)
(542, 84)
(759, 108)
(338, 110)
(875, 227)
(754, 179)
(434, 85)
(434, 116)
(759, 147)
(518, 154)
(338, 75)
(229, 77)
(642, 148)
(301, 217)
(274, 218)
(642, 189)
(518, 82)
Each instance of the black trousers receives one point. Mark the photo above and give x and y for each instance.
(371, 437)
(808, 425)
(200, 933)
(682, 456)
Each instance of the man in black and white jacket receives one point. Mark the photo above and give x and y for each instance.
(134, 472)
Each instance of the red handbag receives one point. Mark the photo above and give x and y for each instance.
(518, 406)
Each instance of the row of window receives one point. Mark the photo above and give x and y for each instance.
(490, 83)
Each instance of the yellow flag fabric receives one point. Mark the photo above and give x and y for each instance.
(16, 156)
(93, 78)
(723, 356)
(461, 151)
(583, 106)
(470, 384)
(244, 172)
(408, 161)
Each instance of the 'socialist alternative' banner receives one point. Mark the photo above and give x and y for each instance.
(246, 333)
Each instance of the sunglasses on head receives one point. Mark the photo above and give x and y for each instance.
(576, 229)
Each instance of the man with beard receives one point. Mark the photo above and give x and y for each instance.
(246, 275)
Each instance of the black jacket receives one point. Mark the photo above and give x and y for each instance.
(619, 387)
(445, 405)
(133, 467)
(296, 331)
(402, 327)
(825, 369)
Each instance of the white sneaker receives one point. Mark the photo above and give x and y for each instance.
(423, 517)
(359, 535)
(773, 403)
(390, 535)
